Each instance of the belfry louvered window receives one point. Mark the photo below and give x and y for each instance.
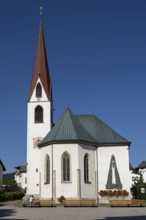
(47, 170)
(38, 114)
(38, 91)
(65, 167)
(86, 168)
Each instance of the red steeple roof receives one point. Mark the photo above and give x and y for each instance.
(41, 67)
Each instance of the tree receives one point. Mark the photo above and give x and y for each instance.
(138, 189)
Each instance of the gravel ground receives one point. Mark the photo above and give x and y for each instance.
(13, 212)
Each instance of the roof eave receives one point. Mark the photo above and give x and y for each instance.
(114, 144)
(83, 142)
(67, 142)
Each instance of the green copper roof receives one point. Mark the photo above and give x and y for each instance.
(82, 128)
(68, 129)
(100, 131)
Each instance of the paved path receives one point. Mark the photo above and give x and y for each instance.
(12, 212)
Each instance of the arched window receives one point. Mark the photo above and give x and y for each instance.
(38, 114)
(86, 168)
(38, 91)
(47, 170)
(65, 167)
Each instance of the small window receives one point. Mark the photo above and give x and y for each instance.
(47, 170)
(38, 91)
(65, 167)
(38, 114)
(86, 168)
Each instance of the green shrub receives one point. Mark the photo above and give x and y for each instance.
(9, 182)
(136, 188)
(7, 196)
(2, 196)
(139, 194)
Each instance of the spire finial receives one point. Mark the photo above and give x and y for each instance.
(41, 10)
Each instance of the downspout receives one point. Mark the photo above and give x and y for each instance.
(52, 171)
(40, 184)
(97, 185)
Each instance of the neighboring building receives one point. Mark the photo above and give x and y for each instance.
(21, 177)
(2, 169)
(141, 168)
(77, 157)
(134, 175)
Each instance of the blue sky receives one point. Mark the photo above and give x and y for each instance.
(97, 58)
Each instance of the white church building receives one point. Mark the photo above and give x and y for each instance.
(80, 157)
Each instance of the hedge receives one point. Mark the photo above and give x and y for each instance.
(8, 196)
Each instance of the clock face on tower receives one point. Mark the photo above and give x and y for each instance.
(36, 141)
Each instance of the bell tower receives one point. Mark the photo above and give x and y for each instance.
(39, 112)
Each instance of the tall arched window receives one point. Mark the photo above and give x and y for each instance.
(47, 170)
(38, 114)
(86, 168)
(38, 91)
(65, 167)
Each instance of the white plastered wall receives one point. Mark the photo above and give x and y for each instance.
(35, 130)
(69, 189)
(45, 189)
(21, 180)
(121, 154)
(88, 190)
(143, 172)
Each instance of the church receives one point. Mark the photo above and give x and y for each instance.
(79, 157)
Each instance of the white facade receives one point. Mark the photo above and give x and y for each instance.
(143, 172)
(88, 165)
(100, 167)
(99, 156)
(21, 180)
(99, 160)
(134, 177)
(76, 188)
(122, 159)
(35, 133)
